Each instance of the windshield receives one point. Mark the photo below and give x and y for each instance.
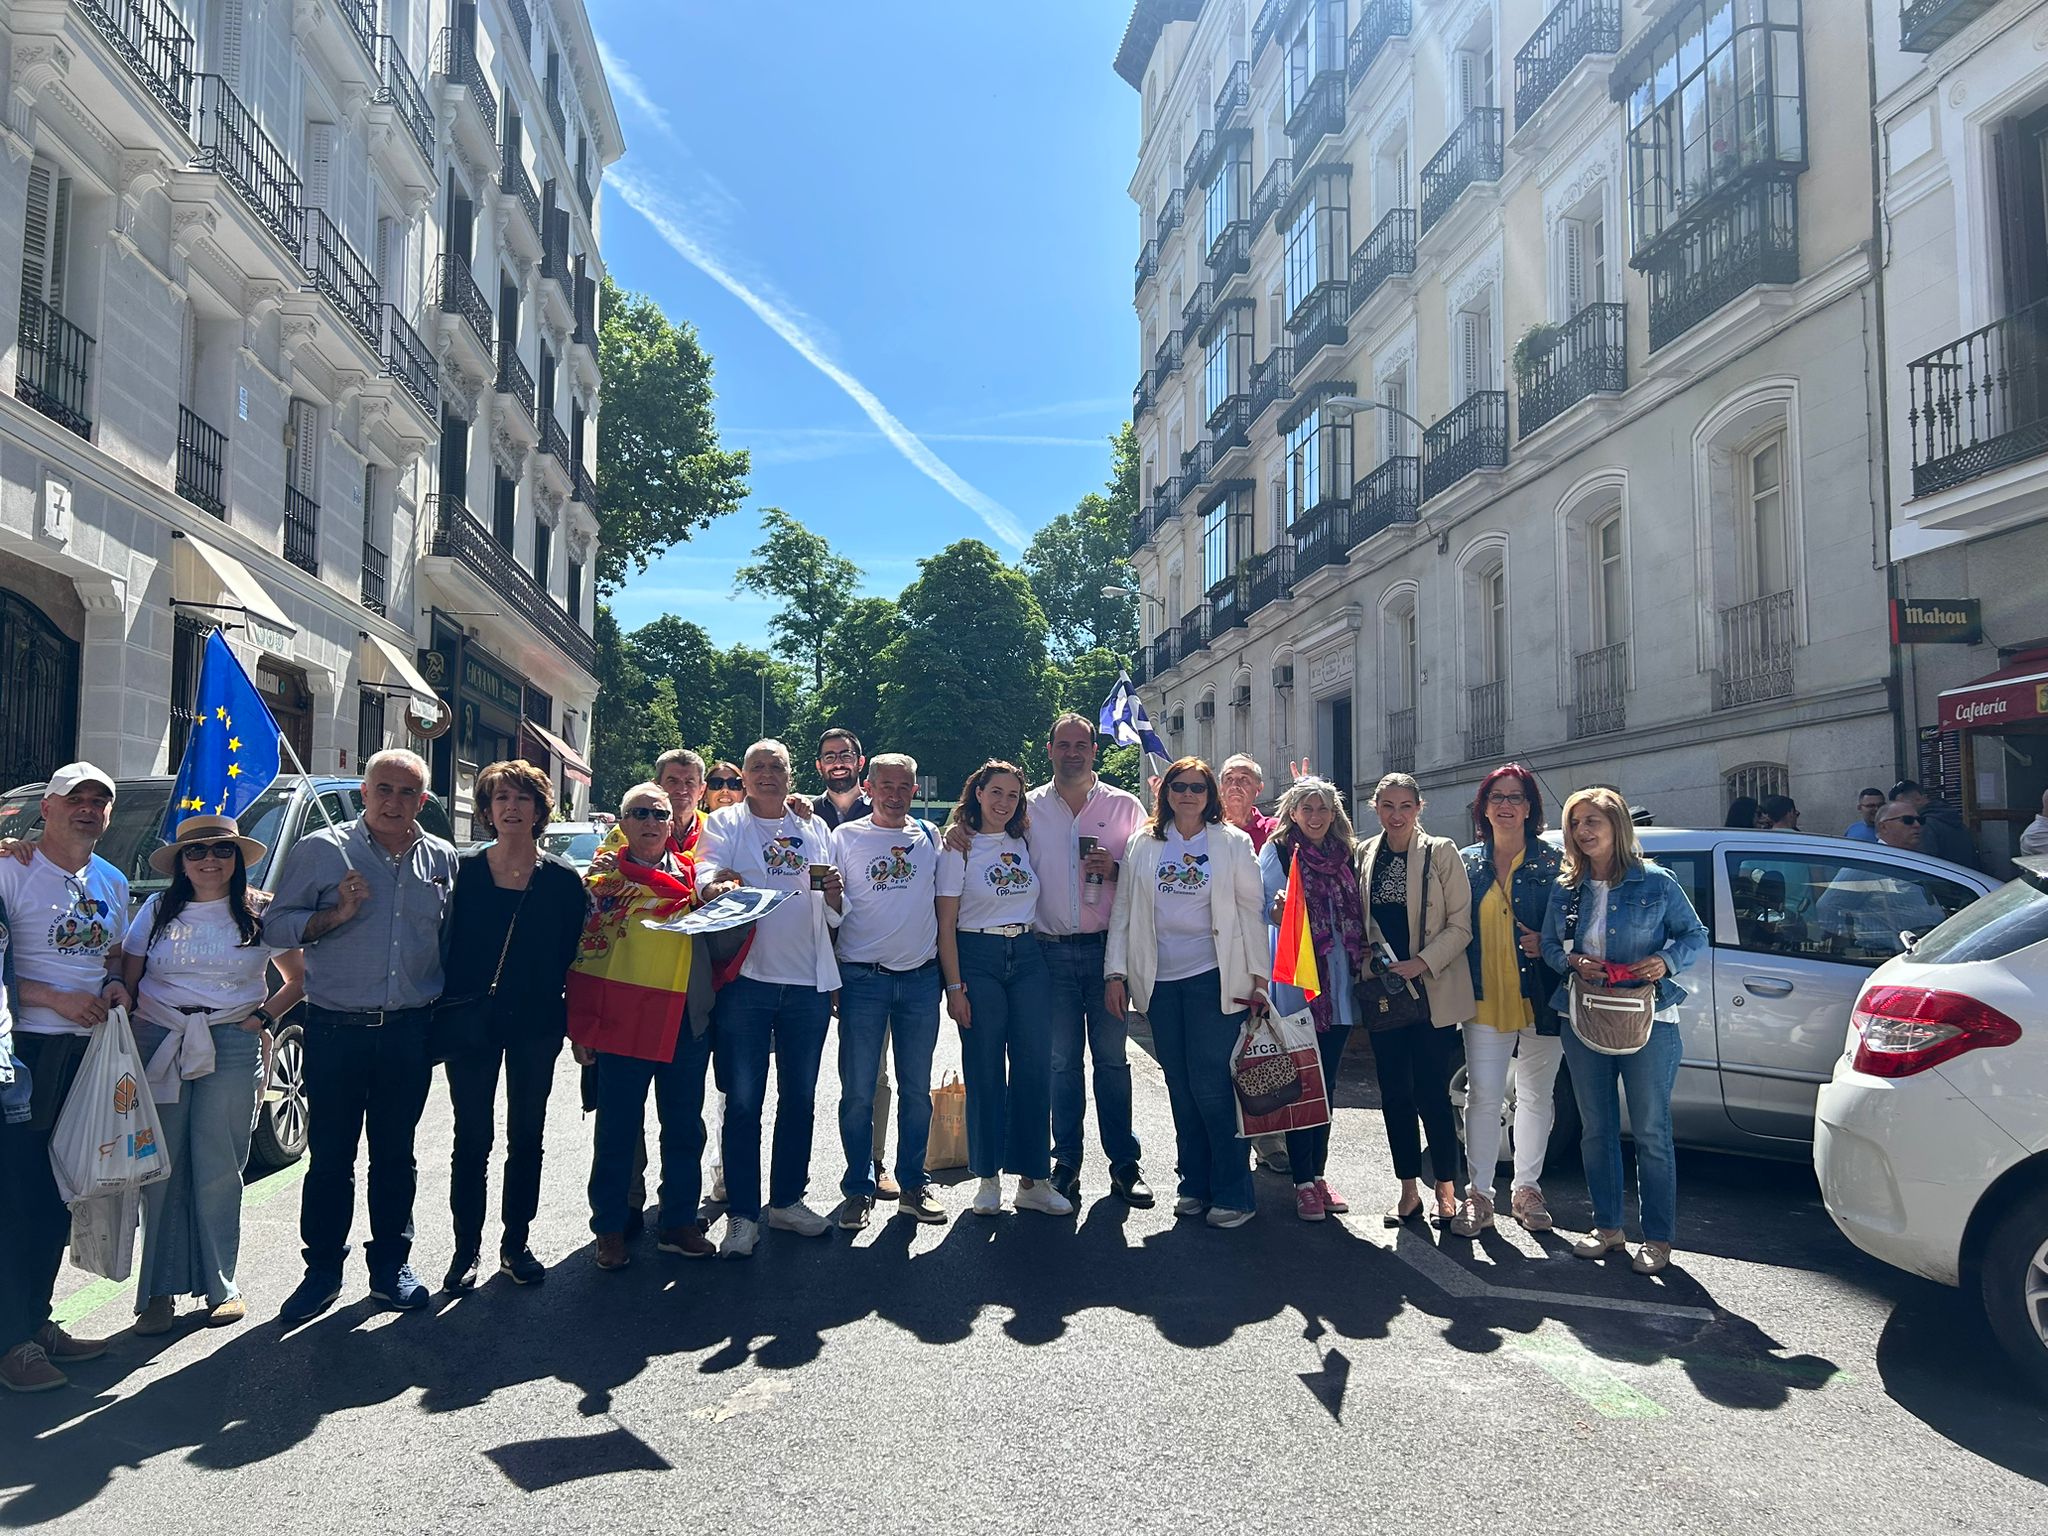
(576, 847)
(2011, 918)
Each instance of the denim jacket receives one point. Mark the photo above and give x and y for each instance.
(1529, 891)
(1647, 914)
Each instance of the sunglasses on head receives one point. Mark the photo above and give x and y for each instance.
(192, 853)
(735, 782)
(648, 812)
(1187, 787)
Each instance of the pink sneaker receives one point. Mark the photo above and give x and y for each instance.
(1308, 1202)
(1333, 1202)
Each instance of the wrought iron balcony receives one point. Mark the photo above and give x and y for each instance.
(1195, 465)
(585, 194)
(1389, 251)
(1575, 30)
(1230, 254)
(1164, 659)
(459, 295)
(513, 379)
(360, 16)
(1170, 214)
(301, 530)
(1321, 535)
(1271, 577)
(1230, 601)
(1146, 267)
(586, 488)
(1272, 191)
(334, 268)
(1141, 528)
(1980, 403)
(554, 254)
(1471, 436)
(1486, 719)
(1378, 24)
(1166, 358)
(376, 565)
(1235, 96)
(1386, 497)
(553, 440)
(551, 101)
(457, 535)
(1272, 380)
(1470, 156)
(1600, 691)
(153, 41)
(235, 148)
(1166, 499)
(1194, 632)
(1924, 25)
(522, 22)
(1587, 355)
(456, 62)
(408, 360)
(202, 449)
(1320, 320)
(402, 93)
(53, 366)
(1267, 24)
(516, 184)
(1141, 395)
(1195, 313)
(1194, 171)
(1319, 113)
(1400, 755)
(1230, 425)
(1743, 240)
(1756, 651)
(585, 334)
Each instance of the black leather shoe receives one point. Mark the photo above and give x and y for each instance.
(522, 1268)
(461, 1271)
(1067, 1181)
(1130, 1186)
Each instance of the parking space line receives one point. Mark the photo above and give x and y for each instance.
(1580, 1372)
(1453, 1279)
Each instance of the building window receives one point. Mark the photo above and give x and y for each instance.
(1390, 181)
(543, 552)
(369, 726)
(188, 644)
(1396, 435)
(1767, 544)
(1472, 366)
(575, 590)
(1318, 460)
(1580, 255)
(1476, 76)
(1227, 367)
(505, 509)
(1609, 582)
(1757, 781)
(1316, 49)
(1490, 651)
(1226, 539)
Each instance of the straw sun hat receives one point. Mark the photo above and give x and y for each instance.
(205, 829)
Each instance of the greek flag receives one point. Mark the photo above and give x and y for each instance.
(231, 756)
(1124, 719)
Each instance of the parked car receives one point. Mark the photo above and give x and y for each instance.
(1932, 1142)
(575, 841)
(280, 816)
(1798, 923)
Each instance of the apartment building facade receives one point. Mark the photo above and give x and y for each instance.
(301, 350)
(1504, 393)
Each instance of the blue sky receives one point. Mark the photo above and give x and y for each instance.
(923, 197)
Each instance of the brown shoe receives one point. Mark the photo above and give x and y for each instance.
(59, 1345)
(886, 1187)
(1651, 1259)
(157, 1317)
(689, 1241)
(26, 1368)
(1529, 1209)
(233, 1310)
(611, 1251)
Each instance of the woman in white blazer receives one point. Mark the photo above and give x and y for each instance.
(1187, 948)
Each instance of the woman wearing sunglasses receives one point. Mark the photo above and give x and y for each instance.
(723, 786)
(1187, 948)
(195, 961)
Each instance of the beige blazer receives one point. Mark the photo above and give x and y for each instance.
(1445, 929)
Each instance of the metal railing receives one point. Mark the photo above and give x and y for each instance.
(1146, 267)
(337, 271)
(1486, 719)
(551, 102)
(459, 295)
(1230, 425)
(1319, 113)
(53, 366)
(1166, 358)
(153, 41)
(400, 91)
(1587, 355)
(585, 334)
(1386, 497)
(1472, 435)
(1471, 155)
(1235, 94)
(1756, 651)
(1272, 191)
(1267, 24)
(1230, 253)
(1600, 690)
(1194, 631)
(1743, 240)
(1574, 30)
(1230, 601)
(376, 565)
(1981, 402)
(553, 440)
(1141, 664)
(516, 184)
(1378, 24)
(1389, 251)
(1272, 577)
(513, 379)
(1162, 652)
(1924, 25)
(459, 536)
(1272, 380)
(1170, 214)
(1321, 535)
(234, 147)
(301, 530)
(1165, 501)
(1141, 395)
(409, 361)
(1320, 320)
(1195, 313)
(455, 61)
(585, 194)
(554, 254)
(202, 449)
(586, 488)
(1400, 755)
(1195, 465)
(1194, 170)
(361, 19)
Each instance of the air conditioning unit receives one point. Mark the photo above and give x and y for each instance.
(1176, 723)
(1242, 697)
(1283, 674)
(1205, 710)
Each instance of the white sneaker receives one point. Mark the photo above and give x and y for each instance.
(1188, 1205)
(1223, 1216)
(740, 1237)
(798, 1218)
(1041, 1196)
(988, 1199)
(718, 1183)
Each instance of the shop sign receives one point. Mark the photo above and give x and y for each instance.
(491, 685)
(1937, 621)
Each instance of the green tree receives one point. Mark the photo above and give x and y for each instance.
(682, 653)
(814, 586)
(855, 671)
(658, 456)
(738, 701)
(619, 734)
(967, 677)
(1073, 557)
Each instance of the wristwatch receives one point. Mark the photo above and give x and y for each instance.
(956, 986)
(264, 1016)
(1115, 976)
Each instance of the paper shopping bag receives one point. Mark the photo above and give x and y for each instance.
(948, 1145)
(1290, 1036)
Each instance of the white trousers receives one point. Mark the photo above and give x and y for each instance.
(1489, 1054)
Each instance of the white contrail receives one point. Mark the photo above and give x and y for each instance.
(629, 85)
(647, 202)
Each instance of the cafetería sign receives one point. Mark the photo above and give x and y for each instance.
(1937, 621)
(2012, 696)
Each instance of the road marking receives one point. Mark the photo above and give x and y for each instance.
(272, 1185)
(1580, 1372)
(1452, 1278)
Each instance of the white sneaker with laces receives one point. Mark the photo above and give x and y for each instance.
(1224, 1217)
(1188, 1205)
(798, 1218)
(1041, 1196)
(988, 1199)
(740, 1237)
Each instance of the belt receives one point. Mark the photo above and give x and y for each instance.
(1006, 931)
(372, 1018)
(915, 970)
(1097, 937)
(175, 1008)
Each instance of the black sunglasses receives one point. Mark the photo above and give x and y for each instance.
(192, 853)
(1905, 821)
(734, 783)
(649, 812)
(1187, 787)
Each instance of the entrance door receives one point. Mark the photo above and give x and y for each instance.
(291, 703)
(38, 693)
(1333, 744)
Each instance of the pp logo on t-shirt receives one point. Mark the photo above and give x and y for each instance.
(893, 871)
(83, 928)
(784, 856)
(1185, 878)
(1008, 876)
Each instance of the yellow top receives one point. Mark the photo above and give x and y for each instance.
(1501, 1004)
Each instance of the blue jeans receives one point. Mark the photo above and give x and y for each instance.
(1082, 1020)
(1194, 1038)
(752, 1020)
(622, 1083)
(192, 1221)
(877, 1005)
(1648, 1078)
(1006, 1055)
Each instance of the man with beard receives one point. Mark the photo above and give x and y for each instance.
(840, 765)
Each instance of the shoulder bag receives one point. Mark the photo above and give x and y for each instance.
(1613, 1018)
(1387, 1002)
(460, 1025)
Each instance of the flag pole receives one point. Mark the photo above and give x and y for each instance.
(318, 804)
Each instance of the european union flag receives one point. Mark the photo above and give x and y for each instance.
(1124, 720)
(231, 755)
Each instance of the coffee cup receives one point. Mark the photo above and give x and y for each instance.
(818, 874)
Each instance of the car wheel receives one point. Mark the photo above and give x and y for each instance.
(280, 1137)
(2013, 1280)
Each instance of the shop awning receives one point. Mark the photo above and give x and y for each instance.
(573, 762)
(208, 578)
(2013, 695)
(386, 666)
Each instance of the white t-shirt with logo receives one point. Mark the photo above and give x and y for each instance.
(64, 929)
(774, 855)
(890, 875)
(199, 962)
(993, 880)
(1181, 884)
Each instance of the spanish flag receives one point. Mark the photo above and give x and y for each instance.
(1294, 956)
(629, 984)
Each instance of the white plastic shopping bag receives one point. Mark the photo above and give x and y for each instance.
(103, 1233)
(108, 1140)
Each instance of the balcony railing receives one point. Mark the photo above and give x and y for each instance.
(1574, 31)
(1146, 267)
(1272, 380)
(1486, 719)
(1235, 95)
(53, 366)
(553, 440)
(1386, 497)
(1272, 577)
(361, 19)
(1321, 536)
(337, 271)
(1195, 465)
(586, 488)
(1166, 499)
(1230, 254)
(1230, 425)
(459, 295)
(1389, 251)
(1319, 113)
(457, 535)
(1193, 171)
(1320, 320)
(554, 253)
(1924, 25)
(585, 334)
(1980, 403)
(410, 362)
(1471, 155)
(301, 530)
(236, 149)
(522, 22)
(402, 93)
(1141, 528)
(585, 194)
(1272, 191)
(1267, 23)
(1141, 395)
(455, 61)
(551, 101)
(1747, 239)
(1164, 658)
(516, 184)
(1166, 359)
(1194, 632)
(1378, 24)
(1600, 690)
(153, 42)
(376, 564)
(202, 449)
(1230, 601)
(1587, 355)
(1170, 214)
(1756, 651)
(513, 379)
(1400, 757)
(1471, 436)
(1195, 313)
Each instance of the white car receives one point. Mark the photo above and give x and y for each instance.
(1931, 1138)
(575, 841)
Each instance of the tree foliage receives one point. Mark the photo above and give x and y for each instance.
(1077, 554)
(814, 585)
(855, 670)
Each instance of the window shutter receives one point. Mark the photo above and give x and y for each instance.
(319, 165)
(35, 239)
(302, 447)
(229, 65)
(1468, 353)
(1596, 242)
(1571, 234)
(1468, 84)
(1394, 393)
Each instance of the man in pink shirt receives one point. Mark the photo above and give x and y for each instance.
(1241, 782)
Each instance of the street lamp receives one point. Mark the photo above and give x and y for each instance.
(1356, 403)
(1134, 592)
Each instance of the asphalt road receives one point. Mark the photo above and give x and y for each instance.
(1119, 1373)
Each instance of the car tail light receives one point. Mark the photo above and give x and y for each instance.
(1904, 1030)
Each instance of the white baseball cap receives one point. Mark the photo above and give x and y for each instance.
(71, 775)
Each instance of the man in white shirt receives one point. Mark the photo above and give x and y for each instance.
(64, 912)
(888, 986)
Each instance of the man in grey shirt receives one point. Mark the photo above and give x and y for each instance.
(365, 900)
